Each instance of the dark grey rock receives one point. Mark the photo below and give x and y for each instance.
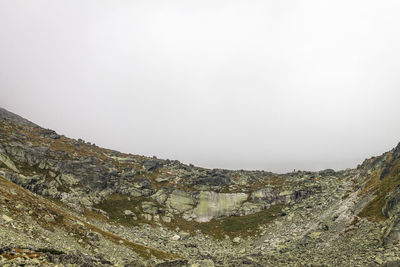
(151, 165)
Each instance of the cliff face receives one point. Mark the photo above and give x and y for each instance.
(69, 201)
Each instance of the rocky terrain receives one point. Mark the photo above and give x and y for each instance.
(66, 202)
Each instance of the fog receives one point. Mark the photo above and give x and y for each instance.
(273, 85)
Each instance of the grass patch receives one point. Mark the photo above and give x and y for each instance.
(95, 216)
(232, 226)
(116, 204)
(79, 149)
(277, 182)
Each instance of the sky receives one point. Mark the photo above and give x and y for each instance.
(272, 85)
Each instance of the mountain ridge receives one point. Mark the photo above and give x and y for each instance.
(5, 114)
(160, 212)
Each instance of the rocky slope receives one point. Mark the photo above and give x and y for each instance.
(66, 201)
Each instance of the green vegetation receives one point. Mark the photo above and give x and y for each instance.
(116, 204)
(82, 149)
(233, 226)
(248, 224)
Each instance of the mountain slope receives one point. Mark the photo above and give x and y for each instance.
(122, 208)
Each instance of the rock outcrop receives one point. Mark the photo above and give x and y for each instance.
(215, 205)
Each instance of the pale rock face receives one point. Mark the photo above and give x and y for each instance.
(214, 205)
(180, 201)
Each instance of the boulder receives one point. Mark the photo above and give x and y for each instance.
(151, 165)
(163, 179)
(142, 183)
(160, 196)
(180, 201)
(176, 237)
(6, 218)
(166, 219)
(128, 213)
(237, 240)
(149, 207)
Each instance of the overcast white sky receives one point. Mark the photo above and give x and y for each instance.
(275, 85)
